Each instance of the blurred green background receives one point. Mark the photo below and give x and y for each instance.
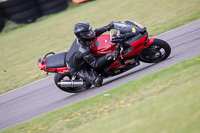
(21, 47)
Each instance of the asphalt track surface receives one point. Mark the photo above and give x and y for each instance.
(35, 99)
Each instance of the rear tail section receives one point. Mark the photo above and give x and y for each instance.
(54, 63)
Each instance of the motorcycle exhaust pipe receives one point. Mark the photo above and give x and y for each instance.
(71, 83)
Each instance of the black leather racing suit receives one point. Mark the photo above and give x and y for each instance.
(79, 57)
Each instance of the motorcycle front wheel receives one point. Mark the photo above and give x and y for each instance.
(59, 77)
(158, 51)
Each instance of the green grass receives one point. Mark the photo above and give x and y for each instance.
(162, 102)
(20, 48)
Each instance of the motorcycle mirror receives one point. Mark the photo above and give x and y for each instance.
(110, 36)
(111, 39)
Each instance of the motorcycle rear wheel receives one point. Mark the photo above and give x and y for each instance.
(58, 77)
(158, 51)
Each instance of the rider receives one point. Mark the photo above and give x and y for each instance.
(80, 62)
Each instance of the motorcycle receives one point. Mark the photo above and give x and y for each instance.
(143, 48)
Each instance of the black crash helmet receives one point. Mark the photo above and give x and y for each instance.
(84, 31)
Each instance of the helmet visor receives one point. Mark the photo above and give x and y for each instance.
(88, 34)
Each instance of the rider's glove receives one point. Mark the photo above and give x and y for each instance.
(113, 55)
(109, 26)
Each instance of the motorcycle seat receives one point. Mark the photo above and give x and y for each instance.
(56, 60)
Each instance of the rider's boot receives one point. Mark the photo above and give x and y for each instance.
(98, 81)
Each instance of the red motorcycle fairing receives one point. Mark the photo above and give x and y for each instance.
(43, 66)
(138, 46)
(149, 42)
(102, 45)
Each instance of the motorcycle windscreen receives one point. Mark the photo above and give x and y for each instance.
(102, 45)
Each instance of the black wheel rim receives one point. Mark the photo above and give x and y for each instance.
(155, 54)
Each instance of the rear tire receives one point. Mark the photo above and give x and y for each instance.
(11, 3)
(54, 10)
(9, 11)
(2, 21)
(58, 77)
(27, 16)
(158, 51)
(20, 11)
(48, 7)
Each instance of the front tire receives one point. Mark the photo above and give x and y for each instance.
(158, 51)
(58, 77)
